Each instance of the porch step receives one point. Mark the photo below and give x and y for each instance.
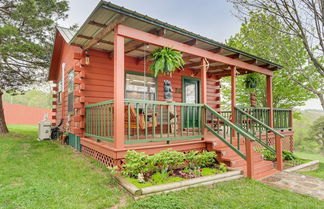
(225, 154)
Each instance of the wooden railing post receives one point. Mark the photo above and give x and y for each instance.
(249, 158)
(278, 143)
(269, 100)
(203, 75)
(233, 94)
(119, 73)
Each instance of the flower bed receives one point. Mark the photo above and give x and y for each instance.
(169, 166)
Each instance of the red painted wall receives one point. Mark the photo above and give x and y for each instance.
(24, 115)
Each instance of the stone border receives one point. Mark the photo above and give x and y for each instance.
(179, 185)
(309, 166)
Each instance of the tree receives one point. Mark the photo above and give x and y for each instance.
(316, 133)
(26, 31)
(263, 41)
(300, 19)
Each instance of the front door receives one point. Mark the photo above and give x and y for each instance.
(190, 96)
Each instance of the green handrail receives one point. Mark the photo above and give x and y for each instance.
(251, 124)
(227, 125)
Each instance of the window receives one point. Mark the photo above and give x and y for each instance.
(59, 92)
(140, 87)
(70, 91)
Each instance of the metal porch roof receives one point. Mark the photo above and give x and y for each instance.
(105, 12)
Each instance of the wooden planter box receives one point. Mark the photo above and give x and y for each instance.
(179, 185)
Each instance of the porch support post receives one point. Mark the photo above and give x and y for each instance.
(249, 158)
(278, 143)
(269, 99)
(203, 80)
(119, 73)
(233, 94)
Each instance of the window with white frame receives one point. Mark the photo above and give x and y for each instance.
(140, 87)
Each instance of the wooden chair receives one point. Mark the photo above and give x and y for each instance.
(140, 117)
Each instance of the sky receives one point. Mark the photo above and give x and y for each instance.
(211, 18)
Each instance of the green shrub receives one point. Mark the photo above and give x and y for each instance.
(200, 160)
(288, 155)
(168, 159)
(136, 162)
(267, 154)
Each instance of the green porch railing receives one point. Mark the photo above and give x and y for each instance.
(100, 121)
(222, 128)
(282, 118)
(261, 113)
(226, 114)
(255, 127)
(153, 121)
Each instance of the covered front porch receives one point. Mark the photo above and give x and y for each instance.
(121, 106)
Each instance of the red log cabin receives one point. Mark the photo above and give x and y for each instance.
(110, 103)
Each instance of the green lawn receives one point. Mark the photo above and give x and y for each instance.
(46, 174)
(310, 156)
(49, 175)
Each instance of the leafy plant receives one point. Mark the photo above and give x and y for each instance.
(200, 160)
(222, 167)
(251, 80)
(135, 163)
(288, 155)
(159, 177)
(267, 154)
(168, 159)
(166, 61)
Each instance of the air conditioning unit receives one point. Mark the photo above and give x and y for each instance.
(44, 129)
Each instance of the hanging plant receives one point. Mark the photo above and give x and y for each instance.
(166, 61)
(251, 82)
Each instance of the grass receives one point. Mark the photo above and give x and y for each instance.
(235, 194)
(49, 175)
(319, 173)
(310, 156)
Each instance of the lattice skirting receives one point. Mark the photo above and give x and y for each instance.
(109, 161)
(104, 159)
(287, 143)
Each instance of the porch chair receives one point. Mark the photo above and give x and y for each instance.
(140, 117)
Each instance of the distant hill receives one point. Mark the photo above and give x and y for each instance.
(312, 115)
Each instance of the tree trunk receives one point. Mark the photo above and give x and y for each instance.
(321, 98)
(3, 125)
(253, 99)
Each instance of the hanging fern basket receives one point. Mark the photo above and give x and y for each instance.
(166, 61)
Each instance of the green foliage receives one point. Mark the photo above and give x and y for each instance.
(309, 132)
(262, 40)
(26, 36)
(267, 154)
(252, 80)
(135, 163)
(159, 178)
(165, 161)
(213, 171)
(168, 159)
(286, 155)
(200, 160)
(166, 61)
